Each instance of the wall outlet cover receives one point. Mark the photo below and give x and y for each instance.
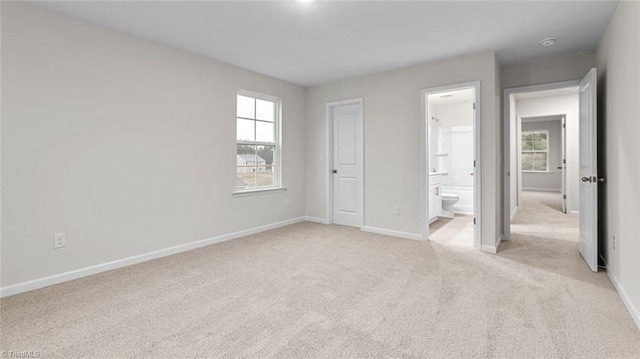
(59, 240)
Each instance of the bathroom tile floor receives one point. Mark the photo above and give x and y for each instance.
(457, 231)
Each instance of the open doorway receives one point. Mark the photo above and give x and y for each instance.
(528, 217)
(451, 177)
(543, 148)
(541, 157)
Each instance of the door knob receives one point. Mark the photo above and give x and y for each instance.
(593, 179)
(335, 171)
(471, 173)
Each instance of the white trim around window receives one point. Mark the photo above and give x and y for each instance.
(258, 144)
(532, 151)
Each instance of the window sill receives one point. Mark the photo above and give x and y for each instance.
(256, 192)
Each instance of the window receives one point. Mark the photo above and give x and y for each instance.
(535, 151)
(257, 139)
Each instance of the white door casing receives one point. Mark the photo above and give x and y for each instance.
(346, 162)
(588, 243)
(563, 162)
(477, 169)
(507, 123)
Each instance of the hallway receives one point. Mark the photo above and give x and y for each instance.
(544, 208)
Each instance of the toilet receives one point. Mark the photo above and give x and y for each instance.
(448, 200)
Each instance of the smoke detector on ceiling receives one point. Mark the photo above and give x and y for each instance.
(548, 41)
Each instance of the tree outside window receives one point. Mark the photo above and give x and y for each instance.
(535, 151)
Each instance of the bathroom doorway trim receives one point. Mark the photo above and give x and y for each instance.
(424, 146)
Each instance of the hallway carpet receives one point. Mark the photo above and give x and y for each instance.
(317, 291)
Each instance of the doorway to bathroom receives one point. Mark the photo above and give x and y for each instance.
(451, 201)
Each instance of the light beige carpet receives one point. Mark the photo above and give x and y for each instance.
(311, 290)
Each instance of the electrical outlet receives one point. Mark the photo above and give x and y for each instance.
(287, 202)
(59, 240)
(614, 242)
(396, 210)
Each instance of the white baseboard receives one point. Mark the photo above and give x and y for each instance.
(119, 263)
(489, 249)
(534, 189)
(316, 220)
(392, 233)
(635, 314)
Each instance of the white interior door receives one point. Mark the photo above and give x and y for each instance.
(346, 122)
(588, 171)
(519, 160)
(563, 163)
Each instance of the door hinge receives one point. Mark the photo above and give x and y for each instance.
(564, 125)
(474, 105)
(564, 161)
(474, 220)
(564, 196)
(474, 163)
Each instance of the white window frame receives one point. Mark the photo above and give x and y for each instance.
(277, 155)
(522, 151)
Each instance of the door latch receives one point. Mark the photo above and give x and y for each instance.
(593, 179)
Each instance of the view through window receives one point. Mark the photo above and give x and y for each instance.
(535, 151)
(257, 121)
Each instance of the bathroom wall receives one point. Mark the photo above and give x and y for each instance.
(552, 179)
(433, 135)
(455, 143)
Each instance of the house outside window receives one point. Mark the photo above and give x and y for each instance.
(257, 142)
(535, 151)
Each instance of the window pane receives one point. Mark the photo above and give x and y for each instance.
(246, 153)
(245, 130)
(245, 178)
(264, 176)
(526, 142)
(265, 110)
(265, 153)
(265, 131)
(536, 161)
(246, 107)
(245, 167)
(541, 142)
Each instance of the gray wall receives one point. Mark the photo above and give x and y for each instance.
(392, 140)
(126, 145)
(619, 117)
(570, 67)
(552, 180)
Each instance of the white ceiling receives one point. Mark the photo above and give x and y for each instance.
(323, 41)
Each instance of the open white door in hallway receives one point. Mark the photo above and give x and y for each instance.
(589, 171)
(346, 124)
(563, 163)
